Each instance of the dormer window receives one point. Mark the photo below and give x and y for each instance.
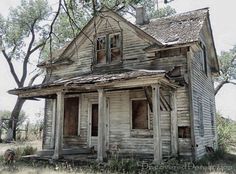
(101, 50)
(108, 49)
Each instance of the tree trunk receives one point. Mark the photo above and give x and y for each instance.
(15, 115)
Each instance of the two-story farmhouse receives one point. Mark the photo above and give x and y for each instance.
(143, 88)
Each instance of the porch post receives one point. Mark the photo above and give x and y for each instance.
(53, 134)
(59, 126)
(101, 126)
(156, 123)
(174, 126)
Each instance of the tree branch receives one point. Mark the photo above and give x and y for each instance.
(28, 53)
(221, 84)
(33, 78)
(11, 68)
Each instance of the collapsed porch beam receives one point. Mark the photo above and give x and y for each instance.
(156, 123)
(101, 154)
(59, 126)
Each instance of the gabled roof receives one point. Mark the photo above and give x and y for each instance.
(177, 29)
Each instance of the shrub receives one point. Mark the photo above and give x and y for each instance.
(224, 131)
(23, 151)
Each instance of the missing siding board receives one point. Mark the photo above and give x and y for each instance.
(184, 132)
(94, 131)
(139, 114)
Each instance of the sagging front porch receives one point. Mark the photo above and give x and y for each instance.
(102, 91)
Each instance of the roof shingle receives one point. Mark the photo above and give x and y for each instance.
(177, 29)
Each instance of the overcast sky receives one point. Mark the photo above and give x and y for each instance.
(222, 15)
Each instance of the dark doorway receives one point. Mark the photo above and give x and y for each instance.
(94, 131)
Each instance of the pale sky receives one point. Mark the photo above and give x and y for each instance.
(222, 15)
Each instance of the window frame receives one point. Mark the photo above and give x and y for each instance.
(131, 115)
(203, 58)
(108, 48)
(201, 117)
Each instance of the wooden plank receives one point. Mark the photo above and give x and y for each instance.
(59, 126)
(156, 124)
(101, 126)
(174, 124)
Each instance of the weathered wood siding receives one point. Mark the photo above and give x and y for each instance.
(203, 88)
(82, 53)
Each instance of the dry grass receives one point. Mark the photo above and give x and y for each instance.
(224, 165)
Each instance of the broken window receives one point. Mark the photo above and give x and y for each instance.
(108, 48)
(94, 120)
(139, 114)
(101, 50)
(115, 46)
(184, 132)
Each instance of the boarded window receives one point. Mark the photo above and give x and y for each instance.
(115, 47)
(94, 120)
(200, 116)
(139, 114)
(101, 50)
(71, 116)
(184, 132)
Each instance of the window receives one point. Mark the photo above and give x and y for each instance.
(200, 116)
(184, 132)
(203, 58)
(101, 50)
(108, 49)
(115, 47)
(94, 131)
(139, 114)
(212, 119)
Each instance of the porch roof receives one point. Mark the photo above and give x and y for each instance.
(92, 82)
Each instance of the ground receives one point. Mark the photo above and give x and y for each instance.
(218, 165)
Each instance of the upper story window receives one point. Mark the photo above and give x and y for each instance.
(108, 48)
(203, 58)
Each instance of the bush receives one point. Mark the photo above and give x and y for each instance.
(23, 151)
(224, 131)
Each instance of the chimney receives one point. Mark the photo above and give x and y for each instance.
(141, 16)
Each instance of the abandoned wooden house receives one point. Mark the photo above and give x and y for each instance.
(124, 88)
